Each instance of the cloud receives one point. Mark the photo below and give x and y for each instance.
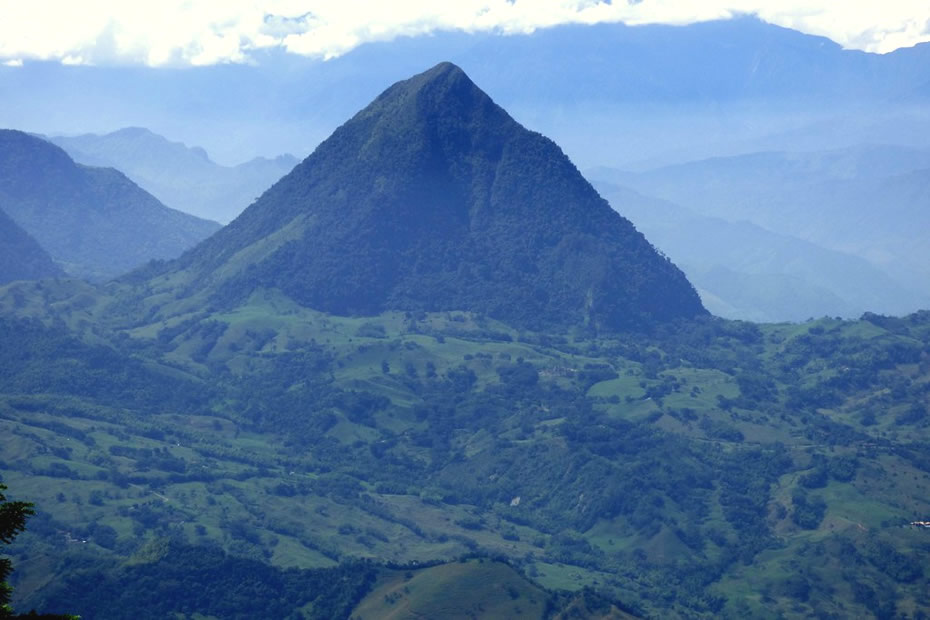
(181, 32)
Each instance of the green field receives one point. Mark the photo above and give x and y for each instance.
(711, 469)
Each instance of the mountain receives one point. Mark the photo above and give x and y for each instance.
(744, 271)
(608, 94)
(225, 586)
(866, 201)
(21, 257)
(434, 198)
(708, 469)
(184, 178)
(94, 221)
(704, 468)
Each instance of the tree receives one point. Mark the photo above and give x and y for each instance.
(13, 517)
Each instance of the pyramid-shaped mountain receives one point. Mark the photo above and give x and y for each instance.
(434, 198)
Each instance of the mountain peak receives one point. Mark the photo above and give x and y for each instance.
(444, 71)
(434, 198)
(443, 74)
(136, 132)
(444, 90)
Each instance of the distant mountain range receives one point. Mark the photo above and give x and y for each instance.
(863, 207)
(744, 271)
(434, 198)
(94, 222)
(609, 94)
(184, 178)
(21, 256)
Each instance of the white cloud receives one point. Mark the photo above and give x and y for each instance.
(13, 62)
(199, 32)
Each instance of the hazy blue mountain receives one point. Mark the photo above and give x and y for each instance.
(21, 257)
(608, 93)
(182, 177)
(94, 221)
(747, 272)
(868, 201)
(434, 198)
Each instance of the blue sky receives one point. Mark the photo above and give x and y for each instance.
(204, 32)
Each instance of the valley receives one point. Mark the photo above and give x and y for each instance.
(431, 371)
(306, 439)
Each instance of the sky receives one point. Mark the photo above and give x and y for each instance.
(205, 32)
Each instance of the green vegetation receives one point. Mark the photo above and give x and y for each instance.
(558, 400)
(474, 588)
(13, 517)
(433, 198)
(709, 467)
(167, 579)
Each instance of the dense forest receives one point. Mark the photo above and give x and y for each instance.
(434, 349)
(669, 470)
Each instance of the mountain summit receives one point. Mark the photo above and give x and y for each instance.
(434, 198)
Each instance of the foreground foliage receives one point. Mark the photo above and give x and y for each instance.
(707, 468)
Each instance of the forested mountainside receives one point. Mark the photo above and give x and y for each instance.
(21, 257)
(707, 467)
(94, 222)
(350, 371)
(433, 198)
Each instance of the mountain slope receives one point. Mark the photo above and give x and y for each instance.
(747, 272)
(94, 221)
(182, 177)
(867, 201)
(21, 257)
(434, 198)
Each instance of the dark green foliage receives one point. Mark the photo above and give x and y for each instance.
(808, 510)
(304, 445)
(903, 568)
(94, 221)
(204, 580)
(13, 516)
(433, 198)
(35, 359)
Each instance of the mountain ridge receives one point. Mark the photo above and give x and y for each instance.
(434, 198)
(21, 256)
(183, 177)
(94, 221)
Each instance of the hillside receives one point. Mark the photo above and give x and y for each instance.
(434, 341)
(711, 468)
(21, 257)
(477, 589)
(433, 198)
(94, 222)
(744, 271)
(181, 177)
(166, 578)
(866, 201)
